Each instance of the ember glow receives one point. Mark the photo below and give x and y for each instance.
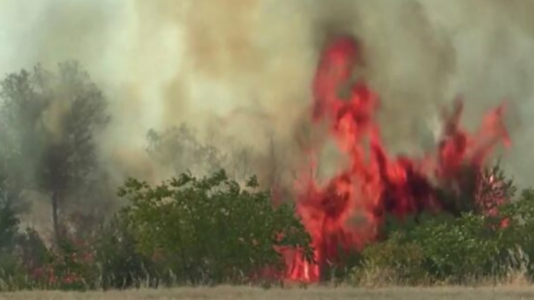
(347, 212)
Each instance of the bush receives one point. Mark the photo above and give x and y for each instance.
(34, 257)
(519, 217)
(457, 250)
(26, 262)
(10, 268)
(209, 230)
(391, 262)
(71, 267)
(121, 265)
(460, 245)
(439, 249)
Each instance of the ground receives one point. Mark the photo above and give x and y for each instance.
(452, 293)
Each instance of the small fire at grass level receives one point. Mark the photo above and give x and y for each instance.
(376, 184)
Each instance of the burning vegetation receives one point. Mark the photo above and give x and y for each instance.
(212, 229)
(348, 211)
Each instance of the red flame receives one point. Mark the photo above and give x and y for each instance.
(347, 212)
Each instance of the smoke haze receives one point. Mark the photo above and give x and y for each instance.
(240, 70)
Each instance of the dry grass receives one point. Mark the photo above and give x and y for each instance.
(453, 293)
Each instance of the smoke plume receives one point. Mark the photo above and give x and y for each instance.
(240, 70)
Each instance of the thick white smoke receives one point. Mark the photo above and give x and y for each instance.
(242, 68)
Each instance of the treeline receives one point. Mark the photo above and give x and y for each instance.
(210, 230)
(201, 229)
(184, 231)
(50, 126)
(50, 122)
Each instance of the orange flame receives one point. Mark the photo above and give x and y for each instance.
(374, 184)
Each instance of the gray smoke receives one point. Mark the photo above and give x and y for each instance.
(240, 70)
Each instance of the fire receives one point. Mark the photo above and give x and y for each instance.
(348, 211)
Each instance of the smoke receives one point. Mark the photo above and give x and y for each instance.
(240, 70)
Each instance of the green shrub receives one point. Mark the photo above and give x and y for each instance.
(458, 249)
(11, 273)
(458, 245)
(391, 262)
(34, 258)
(121, 265)
(519, 217)
(210, 229)
(69, 267)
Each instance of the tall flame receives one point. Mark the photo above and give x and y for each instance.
(348, 211)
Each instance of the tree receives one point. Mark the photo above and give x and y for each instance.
(21, 109)
(180, 148)
(49, 122)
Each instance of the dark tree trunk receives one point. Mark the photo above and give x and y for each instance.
(55, 217)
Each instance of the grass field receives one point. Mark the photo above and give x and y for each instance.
(452, 293)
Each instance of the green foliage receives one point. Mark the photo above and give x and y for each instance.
(9, 225)
(440, 249)
(476, 241)
(49, 121)
(72, 267)
(212, 230)
(48, 125)
(209, 229)
(392, 262)
(453, 248)
(121, 265)
(519, 216)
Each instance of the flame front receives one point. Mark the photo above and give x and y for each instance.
(347, 212)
